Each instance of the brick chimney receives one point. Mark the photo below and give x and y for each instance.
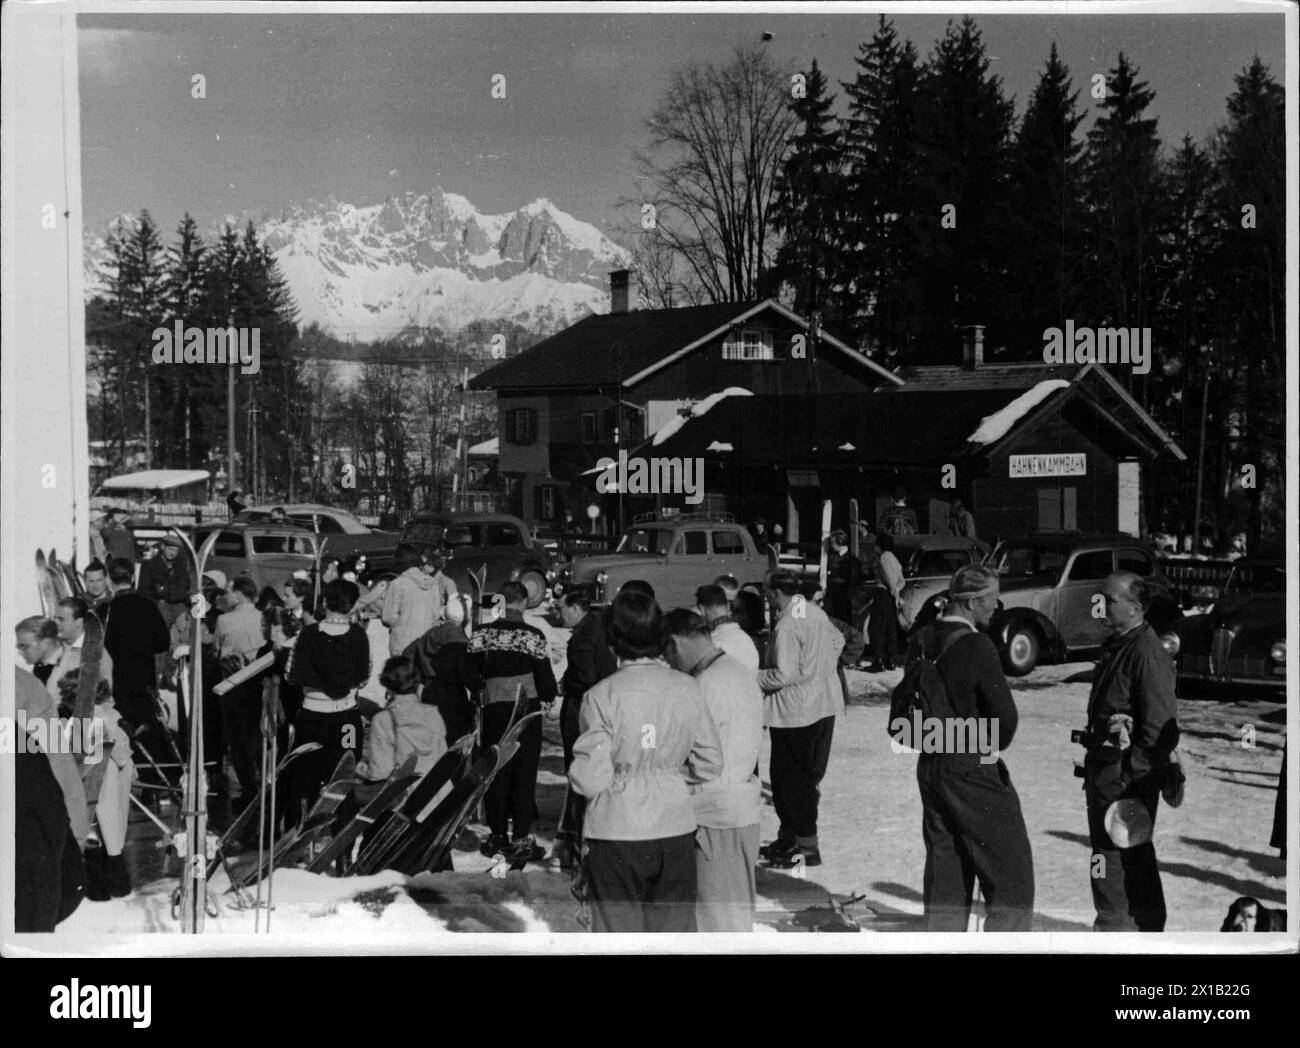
(618, 290)
(972, 346)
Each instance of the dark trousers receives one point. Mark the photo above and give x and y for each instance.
(883, 629)
(212, 722)
(642, 886)
(511, 799)
(575, 804)
(337, 733)
(799, 758)
(1126, 888)
(973, 828)
(241, 725)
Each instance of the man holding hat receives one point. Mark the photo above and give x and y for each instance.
(166, 580)
(971, 819)
(1132, 728)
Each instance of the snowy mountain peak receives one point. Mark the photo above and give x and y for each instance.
(424, 261)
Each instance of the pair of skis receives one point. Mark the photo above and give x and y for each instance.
(430, 848)
(56, 579)
(391, 838)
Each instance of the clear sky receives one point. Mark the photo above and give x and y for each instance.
(304, 107)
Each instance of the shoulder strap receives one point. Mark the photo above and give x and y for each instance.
(943, 648)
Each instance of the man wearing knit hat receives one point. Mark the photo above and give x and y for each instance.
(971, 821)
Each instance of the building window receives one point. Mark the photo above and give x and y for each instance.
(588, 422)
(749, 344)
(521, 425)
(546, 502)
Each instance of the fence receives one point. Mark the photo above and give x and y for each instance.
(1199, 581)
(165, 512)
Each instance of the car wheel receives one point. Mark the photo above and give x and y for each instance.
(1020, 654)
(535, 583)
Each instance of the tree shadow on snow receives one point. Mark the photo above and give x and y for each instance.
(1272, 865)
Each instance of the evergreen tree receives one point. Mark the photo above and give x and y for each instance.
(146, 309)
(1043, 267)
(877, 289)
(963, 177)
(1125, 196)
(182, 440)
(1250, 160)
(808, 205)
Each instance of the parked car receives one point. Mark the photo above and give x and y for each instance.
(347, 536)
(928, 564)
(1048, 582)
(1242, 640)
(267, 553)
(497, 542)
(676, 555)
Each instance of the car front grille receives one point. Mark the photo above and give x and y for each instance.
(1220, 646)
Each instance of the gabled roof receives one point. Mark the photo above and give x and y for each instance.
(622, 349)
(939, 378)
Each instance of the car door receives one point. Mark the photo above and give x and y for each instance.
(502, 550)
(228, 555)
(277, 555)
(690, 566)
(1078, 626)
(730, 557)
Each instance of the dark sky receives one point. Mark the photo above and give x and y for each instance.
(360, 106)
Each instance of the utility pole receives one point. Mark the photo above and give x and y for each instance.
(457, 478)
(1200, 463)
(254, 471)
(148, 423)
(231, 482)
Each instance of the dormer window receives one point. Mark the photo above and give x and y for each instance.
(748, 344)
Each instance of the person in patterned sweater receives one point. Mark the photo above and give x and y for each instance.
(508, 654)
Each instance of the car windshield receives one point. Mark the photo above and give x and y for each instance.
(654, 541)
(1256, 578)
(1030, 560)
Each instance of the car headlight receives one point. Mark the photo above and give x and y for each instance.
(552, 575)
(1278, 652)
(1172, 642)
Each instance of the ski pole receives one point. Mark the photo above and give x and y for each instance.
(261, 820)
(271, 701)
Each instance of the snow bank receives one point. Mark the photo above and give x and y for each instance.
(994, 427)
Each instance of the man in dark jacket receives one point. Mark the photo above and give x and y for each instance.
(166, 580)
(1132, 728)
(118, 540)
(133, 634)
(971, 822)
(511, 654)
(590, 660)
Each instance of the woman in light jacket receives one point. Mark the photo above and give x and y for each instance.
(413, 601)
(646, 738)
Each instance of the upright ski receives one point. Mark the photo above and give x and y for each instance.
(92, 654)
(317, 818)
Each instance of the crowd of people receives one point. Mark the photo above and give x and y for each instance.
(662, 721)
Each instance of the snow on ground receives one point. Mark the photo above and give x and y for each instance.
(1211, 850)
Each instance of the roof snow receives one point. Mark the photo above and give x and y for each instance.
(488, 447)
(719, 446)
(697, 409)
(995, 426)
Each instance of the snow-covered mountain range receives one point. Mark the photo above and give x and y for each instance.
(429, 261)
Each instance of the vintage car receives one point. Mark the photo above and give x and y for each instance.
(269, 554)
(1242, 640)
(496, 544)
(1047, 585)
(676, 555)
(928, 563)
(347, 536)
